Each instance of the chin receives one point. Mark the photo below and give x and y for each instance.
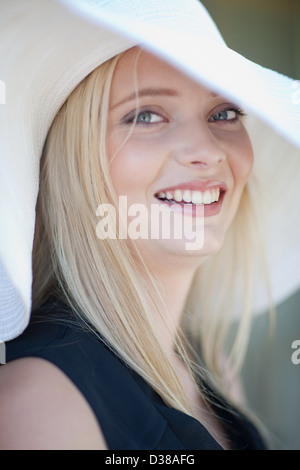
(208, 244)
(192, 251)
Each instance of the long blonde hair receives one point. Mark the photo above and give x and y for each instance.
(99, 279)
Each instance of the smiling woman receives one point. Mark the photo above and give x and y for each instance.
(183, 141)
(125, 348)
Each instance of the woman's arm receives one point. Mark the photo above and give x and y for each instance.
(40, 408)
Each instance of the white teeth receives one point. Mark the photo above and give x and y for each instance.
(178, 195)
(215, 195)
(196, 197)
(207, 197)
(187, 195)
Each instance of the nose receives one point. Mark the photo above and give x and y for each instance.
(196, 144)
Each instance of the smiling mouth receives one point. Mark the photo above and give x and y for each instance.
(187, 196)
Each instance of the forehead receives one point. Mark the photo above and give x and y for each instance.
(138, 69)
(138, 65)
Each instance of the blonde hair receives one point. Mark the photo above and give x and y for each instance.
(99, 279)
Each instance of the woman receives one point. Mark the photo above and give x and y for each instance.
(115, 356)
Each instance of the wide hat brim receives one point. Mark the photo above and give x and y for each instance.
(48, 46)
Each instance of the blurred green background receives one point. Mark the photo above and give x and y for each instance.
(268, 32)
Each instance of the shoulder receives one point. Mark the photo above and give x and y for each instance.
(117, 396)
(40, 408)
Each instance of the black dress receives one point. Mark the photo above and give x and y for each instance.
(131, 414)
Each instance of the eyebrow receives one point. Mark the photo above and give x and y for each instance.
(146, 92)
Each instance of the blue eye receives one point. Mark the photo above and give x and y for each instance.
(148, 117)
(227, 115)
(143, 117)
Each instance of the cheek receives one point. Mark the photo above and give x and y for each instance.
(241, 160)
(131, 167)
(241, 163)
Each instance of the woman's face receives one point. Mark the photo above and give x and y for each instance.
(174, 147)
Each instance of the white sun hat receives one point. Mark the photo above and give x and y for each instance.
(48, 46)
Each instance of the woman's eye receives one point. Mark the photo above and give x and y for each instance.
(227, 115)
(148, 117)
(144, 117)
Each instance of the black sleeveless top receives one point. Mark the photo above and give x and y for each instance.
(132, 416)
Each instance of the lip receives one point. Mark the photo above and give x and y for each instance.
(191, 209)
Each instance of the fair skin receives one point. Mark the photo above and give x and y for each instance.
(187, 138)
(188, 144)
(194, 140)
(41, 409)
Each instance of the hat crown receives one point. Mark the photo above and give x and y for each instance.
(182, 15)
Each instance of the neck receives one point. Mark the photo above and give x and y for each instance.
(167, 313)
